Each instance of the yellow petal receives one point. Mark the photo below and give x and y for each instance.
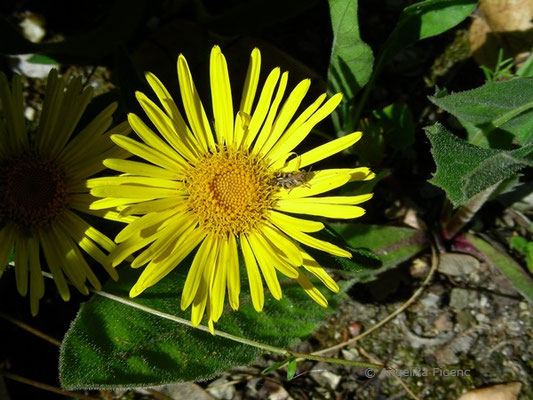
(283, 244)
(272, 112)
(36, 277)
(321, 152)
(311, 241)
(221, 97)
(196, 271)
(261, 109)
(287, 112)
(312, 266)
(254, 278)
(156, 270)
(180, 127)
(292, 139)
(164, 125)
(139, 168)
(301, 206)
(251, 82)
(21, 265)
(194, 108)
(303, 225)
(267, 269)
(217, 291)
(155, 156)
(233, 277)
(7, 240)
(312, 291)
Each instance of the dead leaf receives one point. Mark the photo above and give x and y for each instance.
(508, 391)
(504, 24)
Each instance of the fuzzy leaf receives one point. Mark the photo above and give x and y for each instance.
(499, 111)
(112, 345)
(464, 170)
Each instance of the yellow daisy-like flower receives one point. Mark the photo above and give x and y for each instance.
(43, 185)
(227, 188)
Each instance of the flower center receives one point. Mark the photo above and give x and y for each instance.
(32, 190)
(229, 191)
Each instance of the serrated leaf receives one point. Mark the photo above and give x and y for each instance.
(519, 278)
(464, 170)
(391, 244)
(111, 345)
(499, 110)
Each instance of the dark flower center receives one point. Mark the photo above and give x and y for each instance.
(32, 190)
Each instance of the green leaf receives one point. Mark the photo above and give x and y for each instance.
(426, 19)
(42, 59)
(392, 245)
(499, 110)
(351, 59)
(291, 368)
(397, 123)
(464, 170)
(519, 244)
(529, 256)
(112, 345)
(519, 278)
(526, 69)
(418, 21)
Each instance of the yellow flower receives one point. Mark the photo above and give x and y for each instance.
(227, 188)
(43, 186)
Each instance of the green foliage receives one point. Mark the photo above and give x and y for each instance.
(501, 70)
(112, 345)
(392, 245)
(513, 271)
(426, 19)
(351, 59)
(464, 170)
(526, 69)
(497, 113)
(396, 122)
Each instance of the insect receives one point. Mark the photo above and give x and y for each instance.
(290, 180)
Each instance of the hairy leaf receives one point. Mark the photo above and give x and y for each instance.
(498, 111)
(112, 345)
(464, 170)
